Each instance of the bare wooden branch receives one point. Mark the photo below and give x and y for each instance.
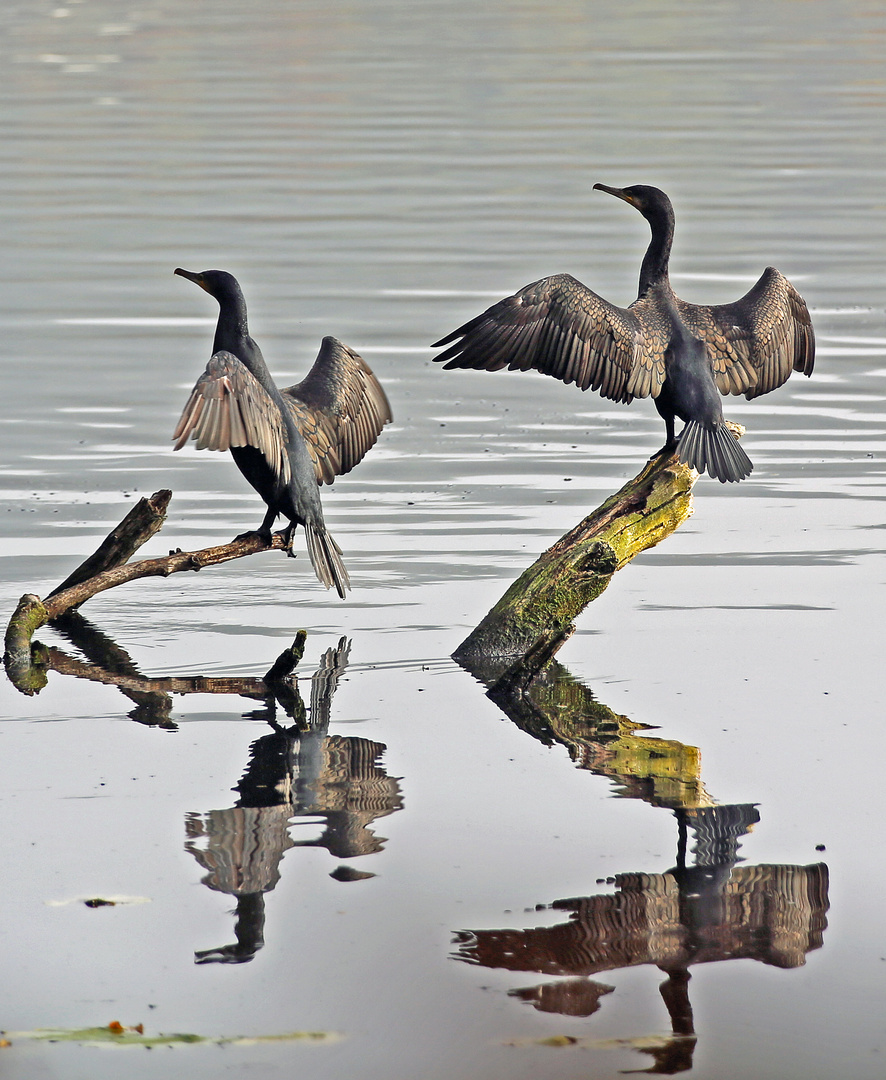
(109, 568)
(288, 660)
(24, 669)
(163, 566)
(536, 615)
(140, 524)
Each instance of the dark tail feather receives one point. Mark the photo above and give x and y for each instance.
(715, 451)
(326, 560)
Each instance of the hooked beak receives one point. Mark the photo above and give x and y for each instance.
(191, 276)
(619, 193)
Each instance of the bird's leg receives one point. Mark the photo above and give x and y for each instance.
(264, 530)
(287, 539)
(670, 438)
(664, 406)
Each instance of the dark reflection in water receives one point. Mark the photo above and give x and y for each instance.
(109, 663)
(293, 772)
(556, 708)
(296, 773)
(697, 912)
(105, 657)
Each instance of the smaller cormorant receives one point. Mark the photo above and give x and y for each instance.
(683, 355)
(285, 442)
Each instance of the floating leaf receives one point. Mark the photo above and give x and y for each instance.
(115, 1034)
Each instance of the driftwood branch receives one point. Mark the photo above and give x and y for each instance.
(173, 563)
(536, 615)
(140, 524)
(105, 569)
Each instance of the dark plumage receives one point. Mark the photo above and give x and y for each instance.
(285, 442)
(683, 355)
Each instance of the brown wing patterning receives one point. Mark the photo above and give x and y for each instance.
(340, 409)
(756, 342)
(229, 407)
(558, 327)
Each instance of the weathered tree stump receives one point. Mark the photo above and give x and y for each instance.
(536, 615)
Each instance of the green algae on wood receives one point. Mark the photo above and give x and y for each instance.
(536, 615)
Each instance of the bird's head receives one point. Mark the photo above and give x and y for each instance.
(650, 201)
(217, 283)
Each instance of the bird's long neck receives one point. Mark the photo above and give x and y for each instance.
(654, 269)
(232, 334)
(232, 329)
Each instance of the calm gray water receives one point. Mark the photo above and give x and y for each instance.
(381, 171)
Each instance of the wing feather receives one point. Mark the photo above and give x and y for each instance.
(756, 342)
(559, 327)
(229, 407)
(340, 408)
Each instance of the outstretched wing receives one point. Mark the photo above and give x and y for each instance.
(340, 409)
(756, 342)
(562, 328)
(229, 407)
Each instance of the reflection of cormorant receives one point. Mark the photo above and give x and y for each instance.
(712, 910)
(695, 913)
(295, 772)
(683, 355)
(285, 442)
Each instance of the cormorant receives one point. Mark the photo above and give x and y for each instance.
(285, 442)
(680, 354)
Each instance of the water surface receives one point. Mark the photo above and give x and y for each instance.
(381, 171)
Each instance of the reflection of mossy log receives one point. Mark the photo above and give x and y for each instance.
(555, 708)
(535, 616)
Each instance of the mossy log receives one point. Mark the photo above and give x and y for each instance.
(536, 615)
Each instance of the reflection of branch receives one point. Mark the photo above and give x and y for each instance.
(111, 665)
(105, 569)
(198, 684)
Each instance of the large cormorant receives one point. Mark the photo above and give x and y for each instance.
(285, 442)
(680, 354)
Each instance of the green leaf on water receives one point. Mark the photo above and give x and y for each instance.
(115, 1034)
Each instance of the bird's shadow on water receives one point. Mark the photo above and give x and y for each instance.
(701, 910)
